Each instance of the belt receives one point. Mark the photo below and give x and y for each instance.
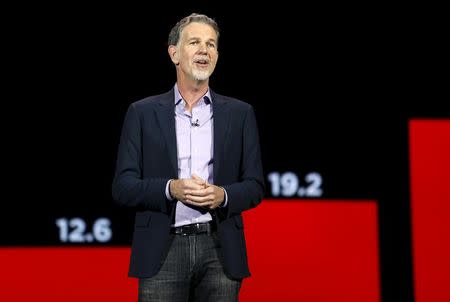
(193, 229)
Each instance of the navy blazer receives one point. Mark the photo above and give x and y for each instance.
(147, 159)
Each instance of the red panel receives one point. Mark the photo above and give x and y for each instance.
(313, 251)
(430, 206)
(66, 274)
(298, 251)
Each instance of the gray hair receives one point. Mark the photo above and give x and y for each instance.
(174, 35)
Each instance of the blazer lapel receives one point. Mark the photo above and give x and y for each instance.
(165, 114)
(221, 125)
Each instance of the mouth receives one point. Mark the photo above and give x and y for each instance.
(201, 62)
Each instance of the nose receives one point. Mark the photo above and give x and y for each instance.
(202, 48)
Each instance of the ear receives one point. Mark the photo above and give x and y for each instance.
(173, 53)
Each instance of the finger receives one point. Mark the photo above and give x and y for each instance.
(193, 185)
(196, 177)
(197, 204)
(201, 183)
(203, 192)
(190, 182)
(199, 180)
(199, 199)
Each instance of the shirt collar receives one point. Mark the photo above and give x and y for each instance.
(178, 98)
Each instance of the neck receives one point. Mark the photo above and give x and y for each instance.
(192, 91)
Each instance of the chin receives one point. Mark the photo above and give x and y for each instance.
(201, 76)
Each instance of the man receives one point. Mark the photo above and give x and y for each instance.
(189, 162)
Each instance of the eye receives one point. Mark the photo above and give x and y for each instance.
(211, 45)
(193, 43)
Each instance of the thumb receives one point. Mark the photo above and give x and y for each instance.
(199, 179)
(196, 177)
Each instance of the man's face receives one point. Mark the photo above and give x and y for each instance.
(196, 51)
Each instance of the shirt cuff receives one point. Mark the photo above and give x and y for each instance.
(225, 199)
(168, 196)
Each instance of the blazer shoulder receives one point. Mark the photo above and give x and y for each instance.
(236, 104)
(152, 101)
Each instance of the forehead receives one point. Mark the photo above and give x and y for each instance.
(199, 30)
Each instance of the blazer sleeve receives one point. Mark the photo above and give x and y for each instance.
(128, 187)
(249, 191)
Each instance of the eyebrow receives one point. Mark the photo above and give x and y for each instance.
(197, 38)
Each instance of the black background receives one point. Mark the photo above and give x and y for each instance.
(332, 86)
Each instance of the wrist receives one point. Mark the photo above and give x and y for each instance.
(171, 184)
(224, 197)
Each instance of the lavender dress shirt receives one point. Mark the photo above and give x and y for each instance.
(194, 131)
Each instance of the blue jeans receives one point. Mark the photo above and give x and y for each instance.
(191, 272)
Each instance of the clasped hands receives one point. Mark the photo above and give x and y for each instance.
(197, 192)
